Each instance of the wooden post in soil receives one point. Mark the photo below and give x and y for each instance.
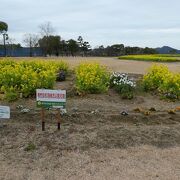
(58, 119)
(42, 119)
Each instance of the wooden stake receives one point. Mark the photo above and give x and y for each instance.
(42, 119)
(58, 119)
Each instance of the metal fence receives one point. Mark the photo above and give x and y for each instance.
(22, 52)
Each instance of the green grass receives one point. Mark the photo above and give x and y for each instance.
(30, 147)
(154, 57)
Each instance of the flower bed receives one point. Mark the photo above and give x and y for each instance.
(123, 85)
(24, 77)
(160, 79)
(92, 78)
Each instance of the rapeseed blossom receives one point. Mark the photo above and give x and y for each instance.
(24, 77)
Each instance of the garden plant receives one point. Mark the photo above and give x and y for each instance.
(159, 78)
(92, 78)
(123, 85)
(24, 77)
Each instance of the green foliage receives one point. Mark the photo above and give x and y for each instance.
(92, 78)
(11, 94)
(73, 46)
(155, 57)
(155, 77)
(171, 86)
(164, 81)
(137, 50)
(125, 91)
(84, 46)
(30, 147)
(50, 44)
(27, 76)
(3, 27)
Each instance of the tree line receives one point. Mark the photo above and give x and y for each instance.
(54, 45)
(120, 50)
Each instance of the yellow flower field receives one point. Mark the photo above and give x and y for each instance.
(153, 57)
(24, 77)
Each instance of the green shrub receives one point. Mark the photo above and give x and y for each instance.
(11, 94)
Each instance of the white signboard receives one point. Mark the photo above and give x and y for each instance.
(4, 112)
(51, 98)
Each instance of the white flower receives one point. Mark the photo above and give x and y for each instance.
(122, 78)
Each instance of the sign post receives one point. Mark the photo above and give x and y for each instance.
(42, 119)
(46, 98)
(59, 119)
(4, 112)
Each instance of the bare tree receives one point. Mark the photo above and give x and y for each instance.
(11, 43)
(46, 29)
(31, 41)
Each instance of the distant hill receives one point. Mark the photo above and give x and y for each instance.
(167, 50)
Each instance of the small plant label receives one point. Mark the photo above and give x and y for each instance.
(47, 98)
(4, 112)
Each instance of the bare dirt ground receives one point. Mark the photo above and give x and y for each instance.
(101, 145)
(125, 66)
(114, 64)
(95, 140)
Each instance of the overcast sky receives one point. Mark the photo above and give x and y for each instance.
(152, 23)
